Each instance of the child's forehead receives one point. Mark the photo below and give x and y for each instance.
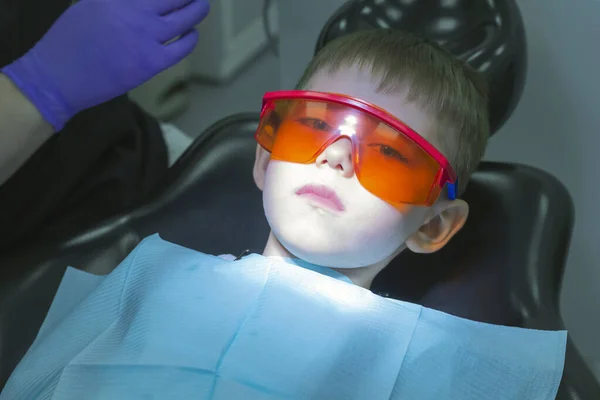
(361, 84)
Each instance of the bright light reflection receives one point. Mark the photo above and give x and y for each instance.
(349, 127)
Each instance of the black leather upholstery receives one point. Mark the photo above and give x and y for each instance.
(489, 35)
(504, 267)
(518, 229)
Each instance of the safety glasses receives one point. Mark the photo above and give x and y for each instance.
(390, 160)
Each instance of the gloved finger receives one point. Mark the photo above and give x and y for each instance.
(183, 20)
(180, 48)
(164, 7)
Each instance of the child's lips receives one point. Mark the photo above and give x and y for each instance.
(323, 196)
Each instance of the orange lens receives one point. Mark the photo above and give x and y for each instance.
(387, 163)
(395, 169)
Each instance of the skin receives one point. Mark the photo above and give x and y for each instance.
(360, 241)
(22, 129)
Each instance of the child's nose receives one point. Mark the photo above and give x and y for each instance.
(338, 156)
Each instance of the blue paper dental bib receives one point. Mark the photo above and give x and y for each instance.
(172, 323)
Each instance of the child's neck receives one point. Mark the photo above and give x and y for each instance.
(359, 276)
(274, 248)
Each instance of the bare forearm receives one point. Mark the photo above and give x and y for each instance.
(22, 129)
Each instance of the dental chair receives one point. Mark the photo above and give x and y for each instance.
(504, 267)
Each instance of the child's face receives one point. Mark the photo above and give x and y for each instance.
(353, 228)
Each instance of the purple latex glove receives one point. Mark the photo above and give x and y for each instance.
(100, 49)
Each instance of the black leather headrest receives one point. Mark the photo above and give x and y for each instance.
(489, 35)
(507, 250)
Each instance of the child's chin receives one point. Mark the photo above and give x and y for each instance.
(325, 246)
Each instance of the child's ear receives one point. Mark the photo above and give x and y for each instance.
(260, 166)
(449, 217)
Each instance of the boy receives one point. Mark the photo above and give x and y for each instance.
(346, 187)
(428, 89)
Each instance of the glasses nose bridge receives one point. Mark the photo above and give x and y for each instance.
(339, 153)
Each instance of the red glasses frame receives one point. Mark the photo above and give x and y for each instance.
(447, 174)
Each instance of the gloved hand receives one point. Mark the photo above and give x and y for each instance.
(100, 49)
